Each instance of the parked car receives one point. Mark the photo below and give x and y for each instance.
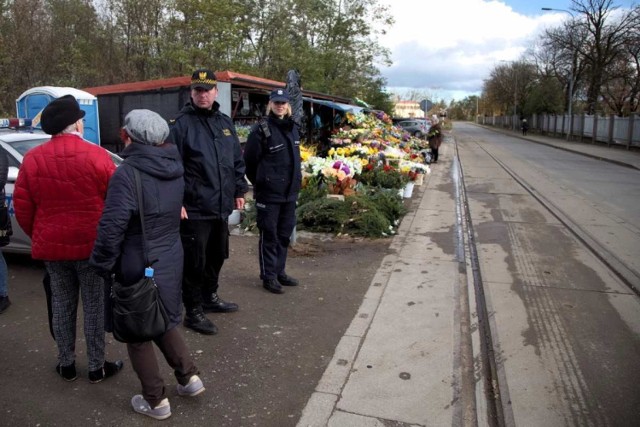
(416, 127)
(16, 143)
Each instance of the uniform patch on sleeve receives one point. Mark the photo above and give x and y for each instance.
(226, 132)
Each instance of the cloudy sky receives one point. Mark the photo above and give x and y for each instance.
(446, 48)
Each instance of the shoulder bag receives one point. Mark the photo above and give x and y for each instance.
(138, 312)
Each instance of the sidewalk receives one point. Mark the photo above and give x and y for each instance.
(394, 365)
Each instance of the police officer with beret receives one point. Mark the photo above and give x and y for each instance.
(272, 158)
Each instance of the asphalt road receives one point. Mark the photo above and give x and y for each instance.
(565, 327)
(259, 370)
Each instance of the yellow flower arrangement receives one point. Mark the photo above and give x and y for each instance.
(307, 151)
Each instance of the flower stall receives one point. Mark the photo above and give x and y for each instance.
(356, 186)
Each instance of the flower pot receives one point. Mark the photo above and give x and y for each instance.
(408, 190)
(419, 179)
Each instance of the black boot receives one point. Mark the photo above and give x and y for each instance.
(4, 303)
(196, 320)
(214, 304)
(68, 373)
(286, 280)
(109, 369)
(272, 286)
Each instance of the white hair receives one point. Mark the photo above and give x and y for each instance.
(71, 128)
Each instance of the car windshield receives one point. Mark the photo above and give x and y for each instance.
(23, 146)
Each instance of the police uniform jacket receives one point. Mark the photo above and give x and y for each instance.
(212, 158)
(118, 248)
(273, 162)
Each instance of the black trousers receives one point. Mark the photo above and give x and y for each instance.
(434, 154)
(275, 222)
(206, 246)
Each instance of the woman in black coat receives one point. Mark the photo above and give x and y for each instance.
(119, 250)
(272, 159)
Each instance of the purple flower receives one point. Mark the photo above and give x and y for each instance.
(342, 166)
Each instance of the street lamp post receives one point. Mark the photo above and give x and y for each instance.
(571, 73)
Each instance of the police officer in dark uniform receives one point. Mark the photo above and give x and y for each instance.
(214, 185)
(272, 158)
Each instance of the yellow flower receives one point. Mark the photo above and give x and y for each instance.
(332, 151)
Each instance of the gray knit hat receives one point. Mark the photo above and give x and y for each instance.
(146, 127)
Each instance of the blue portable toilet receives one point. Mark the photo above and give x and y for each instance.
(31, 103)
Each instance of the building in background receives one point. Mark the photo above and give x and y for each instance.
(407, 109)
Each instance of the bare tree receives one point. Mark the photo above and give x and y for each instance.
(606, 38)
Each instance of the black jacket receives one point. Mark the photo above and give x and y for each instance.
(273, 163)
(212, 159)
(4, 168)
(118, 247)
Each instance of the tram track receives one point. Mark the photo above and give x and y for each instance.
(468, 256)
(495, 388)
(623, 272)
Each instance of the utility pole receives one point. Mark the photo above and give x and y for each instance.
(571, 72)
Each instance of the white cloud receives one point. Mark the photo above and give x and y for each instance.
(449, 46)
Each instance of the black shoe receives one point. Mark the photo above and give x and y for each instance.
(68, 373)
(196, 320)
(272, 286)
(4, 303)
(287, 280)
(215, 304)
(109, 369)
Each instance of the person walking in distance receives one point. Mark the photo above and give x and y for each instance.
(58, 199)
(119, 249)
(434, 136)
(272, 157)
(214, 185)
(525, 127)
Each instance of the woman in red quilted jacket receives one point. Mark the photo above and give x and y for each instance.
(58, 200)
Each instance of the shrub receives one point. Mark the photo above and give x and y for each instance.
(372, 212)
(388, 202)
(323, 215)
(312, 190)
(385, 177)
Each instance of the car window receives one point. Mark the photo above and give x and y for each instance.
(23, 146)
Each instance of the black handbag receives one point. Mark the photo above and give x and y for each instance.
(138, 314)
(5, 222)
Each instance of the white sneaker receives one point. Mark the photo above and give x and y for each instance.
(193, 388)
(160, 412)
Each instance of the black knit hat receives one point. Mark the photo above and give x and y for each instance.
(59, 114)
